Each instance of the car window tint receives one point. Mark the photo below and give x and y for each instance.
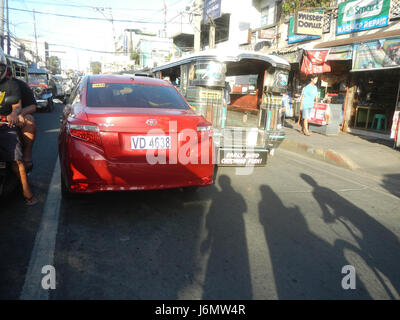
(134, 96)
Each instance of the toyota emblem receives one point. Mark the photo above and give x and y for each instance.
(151, 122)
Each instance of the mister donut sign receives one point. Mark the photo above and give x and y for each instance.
(309, 23)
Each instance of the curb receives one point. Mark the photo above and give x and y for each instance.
(329, 156)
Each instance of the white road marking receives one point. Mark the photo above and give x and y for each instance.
(43, 250)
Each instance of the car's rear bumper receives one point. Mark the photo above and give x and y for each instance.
(86, 170)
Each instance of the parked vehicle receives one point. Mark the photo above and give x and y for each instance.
(38, 80)
(56, 83)
(19, 68)
(240, 93)
(130, 133)
(68, 85)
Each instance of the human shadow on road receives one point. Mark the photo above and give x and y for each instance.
(228, 270)
(391, 183)
(378, 246)
(304, 265)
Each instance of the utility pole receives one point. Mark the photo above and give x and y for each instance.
(101, 10)
(112, 24)
(8, 31)
(165, 21)
(2, 24)
(211, 37)
(34, 26)
(197, 24)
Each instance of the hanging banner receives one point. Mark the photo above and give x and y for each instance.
(341, 53)
(360, 15)
(314, 61)
(377, 54)
(309, 23)
(293, 38)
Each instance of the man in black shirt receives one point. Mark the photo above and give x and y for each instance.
(26, 120)
(10, 144)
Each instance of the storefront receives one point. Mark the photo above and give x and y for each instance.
(376, 73)
(333, 80)
(373, 74)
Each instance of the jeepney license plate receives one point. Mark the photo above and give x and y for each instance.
(229, 157)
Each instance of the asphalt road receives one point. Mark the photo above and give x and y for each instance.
(283, 232)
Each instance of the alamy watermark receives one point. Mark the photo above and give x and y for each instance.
(49, 280)
(188, 146)
(349, 280)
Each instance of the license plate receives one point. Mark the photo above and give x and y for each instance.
(150, 142)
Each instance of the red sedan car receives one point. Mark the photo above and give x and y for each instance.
(132, 133)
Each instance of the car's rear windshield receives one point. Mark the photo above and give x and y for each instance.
(133, 96)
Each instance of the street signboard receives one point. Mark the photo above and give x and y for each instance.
(319, 114)
(212, 10)
(360, 15)
(309, 23)
(293, 38)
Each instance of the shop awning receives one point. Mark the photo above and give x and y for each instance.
(343, 42)
(291, 54)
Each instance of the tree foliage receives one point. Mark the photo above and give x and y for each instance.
(95, 67)
(54, 64)
(291, 6)
(135, 56)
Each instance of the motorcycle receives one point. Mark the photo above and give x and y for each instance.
(8, 179)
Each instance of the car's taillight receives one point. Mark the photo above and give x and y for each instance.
(88, 132)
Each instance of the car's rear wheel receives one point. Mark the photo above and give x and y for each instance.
(66, 194)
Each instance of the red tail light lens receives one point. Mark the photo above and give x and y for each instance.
(87, 132)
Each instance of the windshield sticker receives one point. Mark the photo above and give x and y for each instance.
(98, 85)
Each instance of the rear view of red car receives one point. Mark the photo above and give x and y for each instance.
(132, 133)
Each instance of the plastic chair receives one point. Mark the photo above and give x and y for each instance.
(379, 118)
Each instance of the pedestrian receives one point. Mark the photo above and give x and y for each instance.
(308, 98)
(298, 99)
(285, 107)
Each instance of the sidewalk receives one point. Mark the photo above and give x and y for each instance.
(371, 155)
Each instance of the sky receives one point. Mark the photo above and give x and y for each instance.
(63, 33)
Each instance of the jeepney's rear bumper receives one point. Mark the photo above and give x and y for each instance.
(42, 103)
(242, 154)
